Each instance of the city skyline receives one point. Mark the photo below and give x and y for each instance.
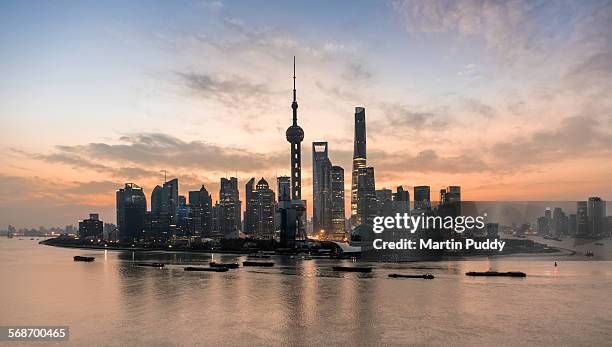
(452, 103)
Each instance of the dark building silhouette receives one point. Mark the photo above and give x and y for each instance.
(597, 219)
(230, 205)
(284, 188)
(200, 205)
(321, 189)
(131, 208)
(384, 202)
(265, 209)
(450, 201)
(338, 217)
(359, 161)
(401, 201)
(170, 200)
(293, 217)
(422, 200)
(250, 211)
(367, 205)
(91, 227)
(157, 196)
(582, 219)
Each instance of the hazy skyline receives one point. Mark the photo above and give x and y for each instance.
(509, 100)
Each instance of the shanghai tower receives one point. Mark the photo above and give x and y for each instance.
(359, 157)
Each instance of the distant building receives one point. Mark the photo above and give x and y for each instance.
(201, 211)
(560, 222)
(384, 202)
(367, 206)
(359, 162)
(401, 201)
(422, 199)
(250, 210)
(338, 217)
(230, 205)
(597, 219)
(265, 211)
(157, 196)
(131, 207)
(582, 219)
(170, 199)
(293, 214)
(321, 188)
(91, 227)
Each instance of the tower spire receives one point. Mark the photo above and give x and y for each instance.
(294, 104)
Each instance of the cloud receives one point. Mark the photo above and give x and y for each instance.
(156, 150)
(232, 91)
(427, 161)
(576, 138)
(400, 117)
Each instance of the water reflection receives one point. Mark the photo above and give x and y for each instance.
(297, 302)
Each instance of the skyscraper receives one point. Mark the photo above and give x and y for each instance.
(170, 199)
(265, 210)
(91, 227)
(359, 158)
(250, 210)
(422, 200)
(596, 212)
(157, 196)
(131, 208)
(582, 219)
(367, 206)
(337, 203)
(401, 201)
(230, 205)
(200, 203)
(321, 188)
(284, 188)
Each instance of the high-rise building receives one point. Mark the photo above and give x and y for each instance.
(230, 204)
(359, 158)
(293, 217)
(157, 196)
(170, 200)
(250, 211)
(450, 201)
(265, 210)
(338, 216)
(91, 227)
(582, 219)
(422, 200)
(321, 188)
(597, 219)
(366, 196)
(131, 208)
(384, 202)
(200, 204)
(401, 201)
(284, 188)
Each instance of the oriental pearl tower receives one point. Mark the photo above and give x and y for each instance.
(295, 135)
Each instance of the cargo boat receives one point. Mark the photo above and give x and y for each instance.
(496, 274)
(258, 263)
(151, 264)
(210, 269)
(225, 265)
(425, 276)
(81, 258)
(352, 269)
